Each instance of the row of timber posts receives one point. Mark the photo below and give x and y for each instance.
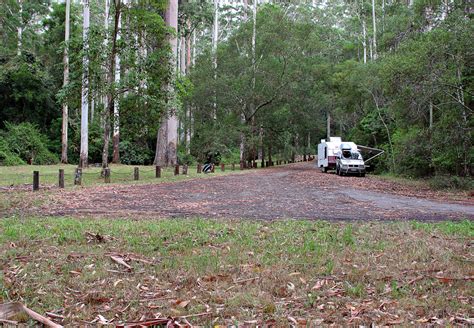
(136, 171)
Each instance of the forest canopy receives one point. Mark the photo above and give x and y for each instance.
(245, 81)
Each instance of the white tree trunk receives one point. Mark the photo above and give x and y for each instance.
(116, 126)
(242, 117)
(172, 21)
(375, 29)
(106, 41)
(64, 134)
(167, 138)
(85, 89)
(20, 27)
(364, 40)
(215, 37)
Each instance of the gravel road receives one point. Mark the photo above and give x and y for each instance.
(298, 191)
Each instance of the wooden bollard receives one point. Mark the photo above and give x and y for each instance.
(213, 168)
(262, 164)
(267, 164)
(78, 177)
(222, 167)
(199, 168)
(157, 171)
(185, 169)
(176, 169)
(241, 165)
(107, 175)
(136, 174)
(36, 180)
(233, 166)
(255, 165)
(61, 178)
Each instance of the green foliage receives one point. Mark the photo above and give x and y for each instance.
(184, 157)
(443, 182)
(26, 142)
(7, 157)
(133, 153)
(26, 92)
(412, 152)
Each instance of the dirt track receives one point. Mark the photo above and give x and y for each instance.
(292, 191)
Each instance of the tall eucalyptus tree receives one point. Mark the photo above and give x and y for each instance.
(83, 159)
(64, 134)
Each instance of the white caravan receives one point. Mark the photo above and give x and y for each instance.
(327, 153)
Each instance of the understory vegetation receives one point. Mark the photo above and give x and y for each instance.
(235, 271)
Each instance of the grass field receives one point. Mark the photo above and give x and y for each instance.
(222, 272)
(23, 174)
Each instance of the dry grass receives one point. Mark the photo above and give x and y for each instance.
(237, 271)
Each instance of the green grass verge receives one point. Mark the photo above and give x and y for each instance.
(239, 270)
(23, 174)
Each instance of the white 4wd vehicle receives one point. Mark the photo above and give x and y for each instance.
(349, 160)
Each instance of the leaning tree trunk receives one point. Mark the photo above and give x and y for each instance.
(85, 89)
(64, 135)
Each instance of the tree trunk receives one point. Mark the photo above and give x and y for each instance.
(161, 144)
(194, 49)
(215, 37)
(188, 109)
(466, 140)
(20, 27)
(328, 125)
(64, 134)
(111, 76)
(116, 133)
(364, 40)
(270, 154)
(168, 131)
(188, 50)
(83, 160)
(375, 29)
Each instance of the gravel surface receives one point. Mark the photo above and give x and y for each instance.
(297, 191)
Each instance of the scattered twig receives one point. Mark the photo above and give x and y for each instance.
(120, 260)
(9, 310)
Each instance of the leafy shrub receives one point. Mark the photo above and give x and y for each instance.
(27, 143)
(412, 154)
(134, 154)
(7, 158)
(232, 156)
